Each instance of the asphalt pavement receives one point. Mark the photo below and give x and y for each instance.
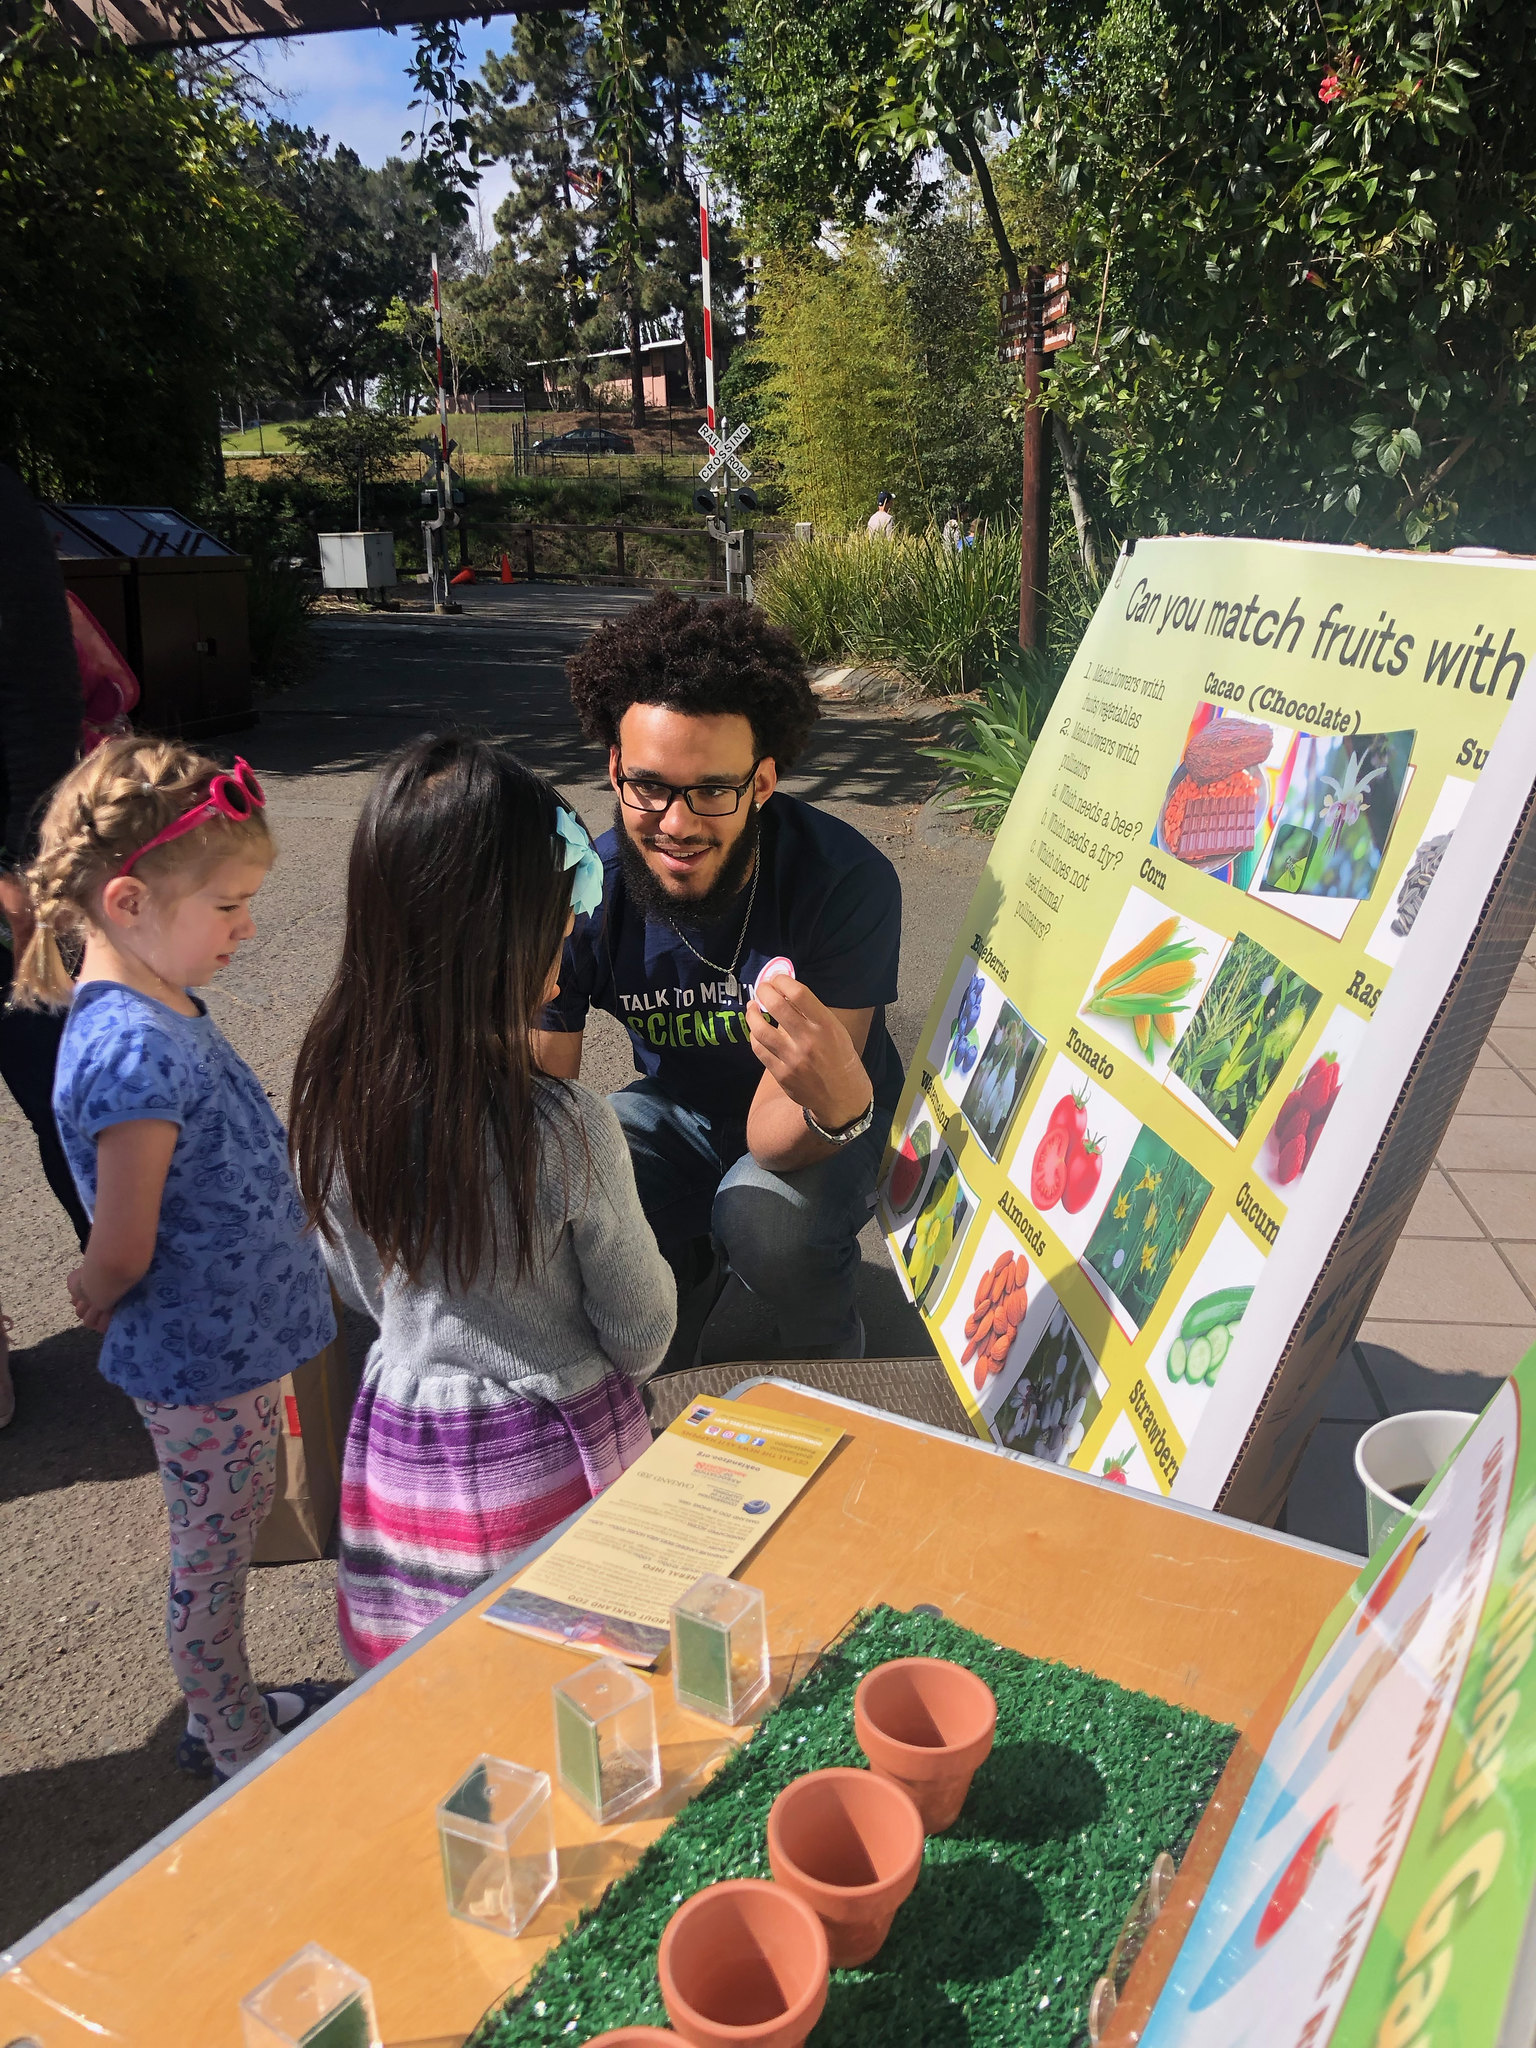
(89, 1713)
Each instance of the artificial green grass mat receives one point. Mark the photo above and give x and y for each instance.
(1017, 1907)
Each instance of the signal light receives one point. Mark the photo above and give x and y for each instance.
(704, 501)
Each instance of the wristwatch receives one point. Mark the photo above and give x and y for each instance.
(846, 1133)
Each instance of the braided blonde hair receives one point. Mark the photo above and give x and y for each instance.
(112, 802)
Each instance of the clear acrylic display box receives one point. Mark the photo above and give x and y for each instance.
(497, 1832)
(605, 1739)
(313, 2001)
(720, 1648)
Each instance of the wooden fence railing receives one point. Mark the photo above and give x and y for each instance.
(518, 539)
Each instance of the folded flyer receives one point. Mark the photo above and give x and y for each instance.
(701, 1498)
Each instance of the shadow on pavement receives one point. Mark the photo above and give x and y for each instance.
(501, 667)
(70, 1424)
(108, 1806)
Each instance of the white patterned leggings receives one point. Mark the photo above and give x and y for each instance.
(217, 1466)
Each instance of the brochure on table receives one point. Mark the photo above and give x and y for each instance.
(1242, 865)
(705, 1494)
(1377, 1885)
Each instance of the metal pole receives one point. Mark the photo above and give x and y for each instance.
(439, 582)
(725, 503)
(709, 328)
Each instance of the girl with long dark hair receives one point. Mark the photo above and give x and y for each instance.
(483, 1213)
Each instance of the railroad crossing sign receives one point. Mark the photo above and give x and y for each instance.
(723, 454)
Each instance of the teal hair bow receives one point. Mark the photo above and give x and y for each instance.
(580, 854)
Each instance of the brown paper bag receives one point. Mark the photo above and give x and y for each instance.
(316, 1402)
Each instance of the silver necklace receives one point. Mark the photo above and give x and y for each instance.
(730, 987)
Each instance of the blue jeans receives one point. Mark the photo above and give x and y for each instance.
(792, 1238)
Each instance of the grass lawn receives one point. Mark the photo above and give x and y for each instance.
(270, 439)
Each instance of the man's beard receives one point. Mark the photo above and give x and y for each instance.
(646, 890)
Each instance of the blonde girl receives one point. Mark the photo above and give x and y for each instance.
(199, 1273)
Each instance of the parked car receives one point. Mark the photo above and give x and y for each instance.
(585, 441)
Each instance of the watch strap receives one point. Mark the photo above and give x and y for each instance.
(845, 1133)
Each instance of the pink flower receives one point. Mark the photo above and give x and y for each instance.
(1331, 89)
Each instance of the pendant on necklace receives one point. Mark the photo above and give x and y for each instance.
(730, 988)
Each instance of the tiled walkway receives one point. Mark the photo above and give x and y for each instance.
(1456, 1309)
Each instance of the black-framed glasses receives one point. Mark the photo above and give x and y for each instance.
(704, 799)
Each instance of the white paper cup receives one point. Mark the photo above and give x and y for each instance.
(1404, 1452)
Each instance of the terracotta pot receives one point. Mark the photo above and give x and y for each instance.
(928, 1725)
(632, 2037)
(743, 1965)
(851, 1845)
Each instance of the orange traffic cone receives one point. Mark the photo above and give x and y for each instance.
(506, 568)
(464, 576)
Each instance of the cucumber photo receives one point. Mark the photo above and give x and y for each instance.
(1225, 1306)
(1177, 1352)
(1198, 1362)
(1218, 1339)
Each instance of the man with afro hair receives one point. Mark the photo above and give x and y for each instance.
(749, 942)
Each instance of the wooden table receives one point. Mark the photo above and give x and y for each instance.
(333, 1838)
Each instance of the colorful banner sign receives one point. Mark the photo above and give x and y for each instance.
(1156, 1145)
(1377, 1884)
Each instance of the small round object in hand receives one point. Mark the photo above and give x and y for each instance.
(780, 967)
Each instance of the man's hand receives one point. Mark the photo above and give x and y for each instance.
(16, 908)
(86, 1311)
(809, 1052)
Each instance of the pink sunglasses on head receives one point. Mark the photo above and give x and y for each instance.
(235, 795)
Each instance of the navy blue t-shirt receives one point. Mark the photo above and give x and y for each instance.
(825, 898)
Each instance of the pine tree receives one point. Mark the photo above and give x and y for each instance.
(531, 109)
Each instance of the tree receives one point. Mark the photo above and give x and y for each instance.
(361, 239)
(355, 449)
(799, 83)
(530, 110)
(600, 232)
(135, 259)
(965, 434)
(836, 401)
(1314, 235)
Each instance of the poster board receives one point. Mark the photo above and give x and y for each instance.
(1377, 1883)
(1256, 901)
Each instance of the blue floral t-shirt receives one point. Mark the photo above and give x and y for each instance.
(236, 1294)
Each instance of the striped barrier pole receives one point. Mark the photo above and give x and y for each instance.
(709, 325)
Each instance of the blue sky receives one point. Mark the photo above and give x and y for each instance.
(353, 87)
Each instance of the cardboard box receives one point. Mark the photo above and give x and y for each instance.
(316, 1403)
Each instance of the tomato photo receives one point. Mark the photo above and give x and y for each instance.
(1085, 1167)
(1048, 1175)
(1070, 1115)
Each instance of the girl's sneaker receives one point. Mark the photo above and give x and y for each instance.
(287, 1707)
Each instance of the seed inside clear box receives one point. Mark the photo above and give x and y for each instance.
(497, 1833)
(312, 2001)
(605, 1739)
(720, 1648)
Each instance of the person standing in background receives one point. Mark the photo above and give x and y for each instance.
(882, 521)
(39, 736)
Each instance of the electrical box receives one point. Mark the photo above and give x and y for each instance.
(740, 551)
(357, 561)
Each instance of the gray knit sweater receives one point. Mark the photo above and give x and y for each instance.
(603, 1297)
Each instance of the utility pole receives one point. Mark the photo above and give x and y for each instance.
(1036, 321)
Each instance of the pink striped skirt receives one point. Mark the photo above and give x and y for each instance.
(445, 1479)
